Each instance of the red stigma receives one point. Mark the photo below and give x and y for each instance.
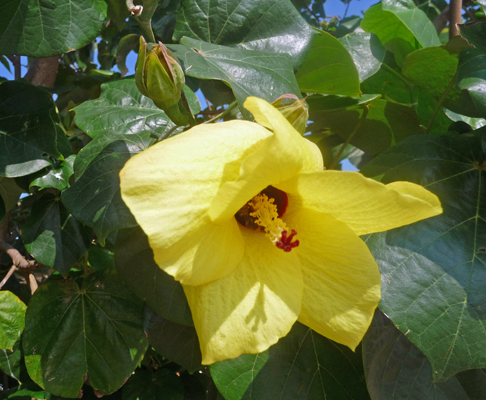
(285, 243)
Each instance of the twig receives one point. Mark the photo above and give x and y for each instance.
(17, 67)
(225, 112)
(456, 18)
(356, 129)
(7, 277)
(26, 267)
(347, 8)
(439, 104)
(312, 13)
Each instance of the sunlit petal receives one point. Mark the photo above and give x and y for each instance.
(250, 309)
(341, 278)
(169, 189)
(282, 156)
(363, 204)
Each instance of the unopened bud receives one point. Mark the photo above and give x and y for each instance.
(158, 74)
(294, 110)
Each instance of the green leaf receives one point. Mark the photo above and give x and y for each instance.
(387, 123)
(321, 104)
(123, 122)
(100, 258)
(476, 123)
(134, 260)
(10, 360)
(10, 192)
(164, 20)
(391, 85)
(271, 26)
(118, 12)
(301, 365)
(432, 271)
(12, 315)
(27, 132)
(34, 28)
(159, 385)
(78, 329)
(432, 70)
(396, 369)
(95, 197)
(367, 52)
(471, 76)
(247, 72)
(120, 109)
(328, 68)
(53, 236)
(475, 32)
(126, 44)
(425, 107)
(192, 100)
(2, 209)
(178, 343)
(400, 19)
(55, 176)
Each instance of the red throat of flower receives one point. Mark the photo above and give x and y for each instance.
(263, 213)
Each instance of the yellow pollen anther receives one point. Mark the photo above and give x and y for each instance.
(266, 215)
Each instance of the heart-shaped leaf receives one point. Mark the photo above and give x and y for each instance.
(53, 236)
(27, 132)
(12, 318)
(78, 329)
(328, 68)
(178, 343)
(400, 19)
(367, 51)
(159, 385)
(432, 271)
(120, 109)
(385, 124)
(134, 260)
(33, 28)
(271, 26)
(396, 369)
(301, 365)
(471, 76)
(247, 72)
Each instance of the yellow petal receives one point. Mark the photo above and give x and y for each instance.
(169, 189)
(365, 205)
(341, 278)
(282, 156)
(249, 310)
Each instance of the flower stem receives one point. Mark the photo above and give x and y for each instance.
(356, 129)
(143, 15)
(230, 107)
(439, 104)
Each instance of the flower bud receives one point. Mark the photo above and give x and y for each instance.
(295, 111)
(158, 74)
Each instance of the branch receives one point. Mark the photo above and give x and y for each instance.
(19, 263)
(456, 18)
(43, 71)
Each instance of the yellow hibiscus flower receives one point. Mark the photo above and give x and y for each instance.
(260, 236)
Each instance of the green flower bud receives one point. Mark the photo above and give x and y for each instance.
(158, 74)
(294, 110)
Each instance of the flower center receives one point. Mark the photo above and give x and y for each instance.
(263, 213)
